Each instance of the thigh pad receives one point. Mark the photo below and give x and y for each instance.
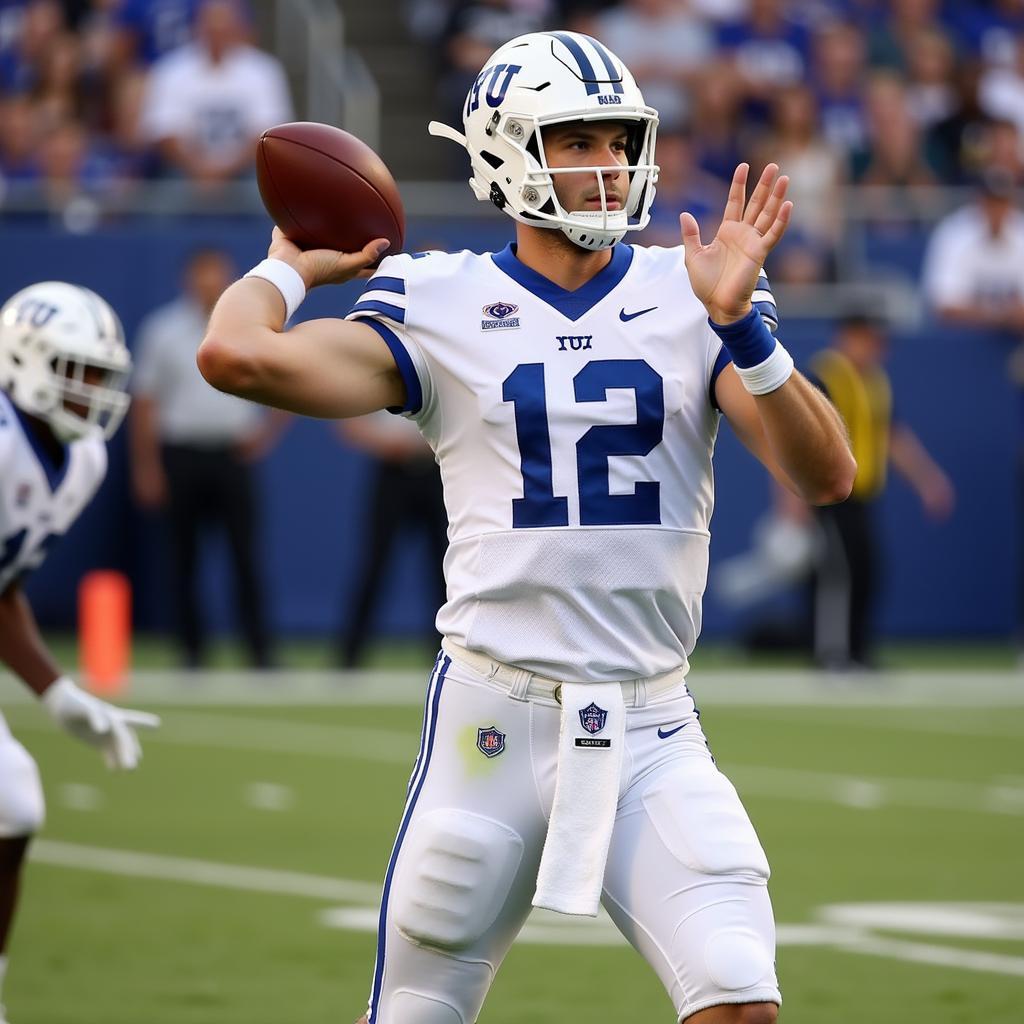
(698, 816)
(455, 873)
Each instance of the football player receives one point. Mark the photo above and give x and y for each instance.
(63, 372)
(571, 387)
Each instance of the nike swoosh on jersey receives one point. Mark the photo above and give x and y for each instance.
(625, 317)
(662, 735)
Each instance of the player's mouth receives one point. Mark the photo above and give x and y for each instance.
(594, 203)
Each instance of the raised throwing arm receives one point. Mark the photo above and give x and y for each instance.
(331, 368)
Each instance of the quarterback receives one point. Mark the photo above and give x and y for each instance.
(571, 387)
(63, 371)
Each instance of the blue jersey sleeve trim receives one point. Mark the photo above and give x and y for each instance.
(396, 313)
(385, 284)
(723, 360)
(571, 304)
(413, 388)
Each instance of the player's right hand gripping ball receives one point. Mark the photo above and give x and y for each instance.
(327, 190)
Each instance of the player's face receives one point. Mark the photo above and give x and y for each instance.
(90, 375)
(588, 144)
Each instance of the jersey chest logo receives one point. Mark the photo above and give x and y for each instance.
(499, 316)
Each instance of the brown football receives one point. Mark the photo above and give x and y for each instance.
(327, 190)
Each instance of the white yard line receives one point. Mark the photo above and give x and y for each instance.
(543, 927)
(131, 864)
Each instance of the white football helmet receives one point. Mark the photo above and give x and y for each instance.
(51, 333)
(548, 78)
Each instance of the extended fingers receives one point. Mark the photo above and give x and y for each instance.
(760, 195)
(778, 227)
(737, 193)
(766, 218)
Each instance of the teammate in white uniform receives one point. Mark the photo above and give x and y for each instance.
(571, 388)
(63, 371)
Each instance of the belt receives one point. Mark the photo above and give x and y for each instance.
(524, 685)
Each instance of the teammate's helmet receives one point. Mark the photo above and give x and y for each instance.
(548, 78)
(51, 333)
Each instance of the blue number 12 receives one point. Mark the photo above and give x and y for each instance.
(539, 506)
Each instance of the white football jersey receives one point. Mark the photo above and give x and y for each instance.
(574, 431)
(38, 500)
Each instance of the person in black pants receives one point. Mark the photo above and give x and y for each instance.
(405, 494)
(193, 450)
(851, 373)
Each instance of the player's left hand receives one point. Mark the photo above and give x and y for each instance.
(110, 728)
(724, 272)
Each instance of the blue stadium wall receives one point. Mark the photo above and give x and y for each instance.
(956, 579)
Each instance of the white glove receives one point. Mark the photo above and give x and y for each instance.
(103, 725)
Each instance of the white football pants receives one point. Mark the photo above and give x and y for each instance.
(685, 882)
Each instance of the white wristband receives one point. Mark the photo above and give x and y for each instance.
(286, 279)
(768, 375)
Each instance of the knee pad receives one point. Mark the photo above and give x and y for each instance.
(736, 958)
(455, 873)
(22, 807)
(698, 816)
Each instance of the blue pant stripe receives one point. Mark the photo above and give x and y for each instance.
(429, 732)
(423, 728)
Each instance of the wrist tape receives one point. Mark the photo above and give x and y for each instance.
(286, 279)
(760, 360)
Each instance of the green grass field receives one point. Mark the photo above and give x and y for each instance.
(141, 906)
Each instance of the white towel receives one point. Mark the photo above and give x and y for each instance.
(590, 748)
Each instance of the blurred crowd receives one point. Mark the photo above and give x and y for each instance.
(871, 92)
(98, 95)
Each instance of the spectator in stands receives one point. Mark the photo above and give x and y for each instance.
(893, 38)
(931, 79)
(1001, 90)
(59, 94)
(767, 50)
(405, 495)
(717, 127)
(475, 29)
(192, 452)
(665, 45)
(147, 30)
(816, 179)
(894, 154)
(41, 23)
(839, 63)
(208, 101)
(682, 185)
(974, 266)
(74, 176)
(851, 372)
(955, 144)
(989, 31)
(19, 142)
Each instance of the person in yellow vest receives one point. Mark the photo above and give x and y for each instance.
(851, 373)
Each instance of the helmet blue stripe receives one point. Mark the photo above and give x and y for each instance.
(609, 64)
(587, 72)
